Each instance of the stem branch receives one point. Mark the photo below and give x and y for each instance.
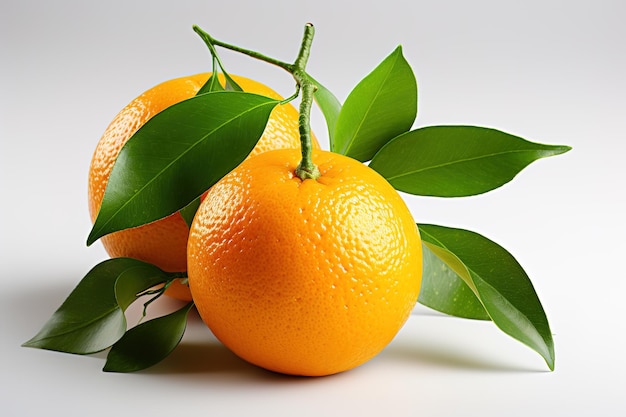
(306, 168)
(212, 42)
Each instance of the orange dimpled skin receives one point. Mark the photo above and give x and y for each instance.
(164, 242)
(308, 277)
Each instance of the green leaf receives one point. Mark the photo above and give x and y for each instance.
(231, 85)
(498, 281)
(211, 85)
(330, 107)
(382, 106)
(443, 290)
(177, 155)
(456, 161)
(189, 211)
(92, 317)
(148, 343)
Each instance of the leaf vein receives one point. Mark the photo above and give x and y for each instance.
(369, 108)
(79, 326)
(458, 161)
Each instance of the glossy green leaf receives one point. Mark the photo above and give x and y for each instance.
(177, 155)
(444, 290)
(456, 161)
(382, 106)
(330, 107)
(498, 281)
(148, 343)
(212, 85)
(92, 317)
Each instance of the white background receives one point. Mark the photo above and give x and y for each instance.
(549, 71)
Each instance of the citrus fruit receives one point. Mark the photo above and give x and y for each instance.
(163, 243)
(304, 277)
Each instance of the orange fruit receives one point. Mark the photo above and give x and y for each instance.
(304, 277)
(163, 243)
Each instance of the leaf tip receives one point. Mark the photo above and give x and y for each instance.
(565, 148)
(91, 239)
(550, 360)
(94, 234)
(29, 343)
(36, 342)
(109, 368)
(558, 150)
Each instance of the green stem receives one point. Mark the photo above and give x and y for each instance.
(212, 42)
(306, 168)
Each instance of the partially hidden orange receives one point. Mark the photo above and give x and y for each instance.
(163, 243)
(304, 277)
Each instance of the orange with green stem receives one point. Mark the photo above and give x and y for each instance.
(299, 267)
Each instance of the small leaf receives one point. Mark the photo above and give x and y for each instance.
(148, 343)
(443, 290)
(92, 317)
(132, 282)
(330, 107)
(382, 106)
(456, 161)
(211, 85)
(498, 281)
(189, 211)
(230, 84)
(177, 155)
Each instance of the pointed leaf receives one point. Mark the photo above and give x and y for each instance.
(189, 211)
(456, 161)
(498, 281)
(148, 343)
(231, 85)
(444, 290)
(92, 317)
(211, 85)
(382, 106)
(330, 107)
(177, 155)
(132, 282)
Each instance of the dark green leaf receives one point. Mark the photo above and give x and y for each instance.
(189, 211)
(148, 343)
(92, 317)
(443, 290)
(499, 282)
(177, 155)
(134, 281)
(330, 107)
(456, 161)
(382, 106)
